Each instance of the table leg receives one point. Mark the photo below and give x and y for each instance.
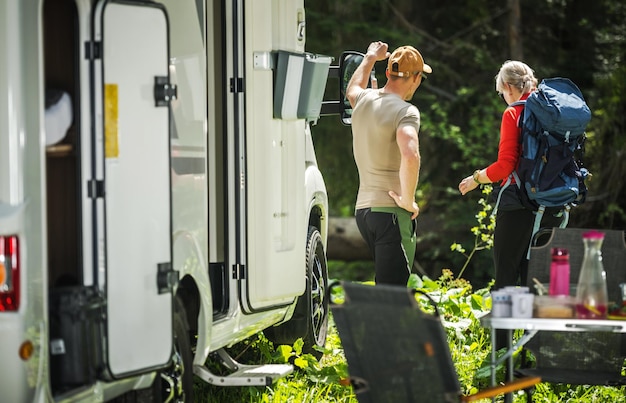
(508, 398)
(492, 364)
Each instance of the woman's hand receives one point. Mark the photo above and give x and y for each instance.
(467, 185)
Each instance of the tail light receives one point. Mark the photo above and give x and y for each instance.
(9, 274)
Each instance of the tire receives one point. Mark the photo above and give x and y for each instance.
(310, 317)
(177, 380)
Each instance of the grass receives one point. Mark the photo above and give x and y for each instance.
(324, 381)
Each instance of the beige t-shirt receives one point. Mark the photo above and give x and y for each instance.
(375, 119)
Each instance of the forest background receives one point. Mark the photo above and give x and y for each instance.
(466, 43)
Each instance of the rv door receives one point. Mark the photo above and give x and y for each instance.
(130, 188)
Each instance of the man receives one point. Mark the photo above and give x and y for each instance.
(386, 152)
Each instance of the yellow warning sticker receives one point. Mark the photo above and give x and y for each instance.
(111, 144)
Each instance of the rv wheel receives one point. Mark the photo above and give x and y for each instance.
(310, 318)
(177, 380)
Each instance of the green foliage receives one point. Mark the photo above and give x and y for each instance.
(460, 113)
(605, 148)
(483, 232)
(333, 148)
(356, 270)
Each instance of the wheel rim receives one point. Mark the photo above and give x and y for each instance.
(318, 297)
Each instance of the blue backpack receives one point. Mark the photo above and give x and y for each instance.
(553, 127)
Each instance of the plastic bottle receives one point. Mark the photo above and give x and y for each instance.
(591, 295)
(559, 272)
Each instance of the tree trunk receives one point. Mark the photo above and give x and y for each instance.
(345, 241)
(515, 38)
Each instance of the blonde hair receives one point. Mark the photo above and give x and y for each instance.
(517, 74)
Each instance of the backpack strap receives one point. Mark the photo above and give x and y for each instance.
(537, 223)
(536, 226)
(520, 122)
(505, 185)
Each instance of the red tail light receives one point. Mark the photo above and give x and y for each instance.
(9, 274)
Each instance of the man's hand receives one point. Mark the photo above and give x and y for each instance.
(358, 82)
(411, 207)
(378, 49)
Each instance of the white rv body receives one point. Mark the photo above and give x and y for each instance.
(184, 195)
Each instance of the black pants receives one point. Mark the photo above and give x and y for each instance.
(390, 237)
(511, 240)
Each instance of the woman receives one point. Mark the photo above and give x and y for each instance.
(514, 223)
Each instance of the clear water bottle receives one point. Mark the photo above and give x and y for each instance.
(559, 272)
(591, 295)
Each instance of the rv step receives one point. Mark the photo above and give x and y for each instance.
(243, 375)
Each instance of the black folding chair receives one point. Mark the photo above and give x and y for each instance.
(397, 352)
(594, 358)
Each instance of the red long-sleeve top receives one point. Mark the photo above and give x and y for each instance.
(510, 148)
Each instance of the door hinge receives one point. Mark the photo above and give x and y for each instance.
(93, 50)
(167, 278)
(164, 91)
(95, 189)
(239, 271)
(236, 85)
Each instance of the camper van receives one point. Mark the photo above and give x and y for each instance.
(160, 199)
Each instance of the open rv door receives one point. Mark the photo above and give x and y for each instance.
(131, 184)
(270, 232)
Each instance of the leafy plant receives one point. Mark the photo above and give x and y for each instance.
(483, 232)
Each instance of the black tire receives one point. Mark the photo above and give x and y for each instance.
(177, 380)
(310, 317)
